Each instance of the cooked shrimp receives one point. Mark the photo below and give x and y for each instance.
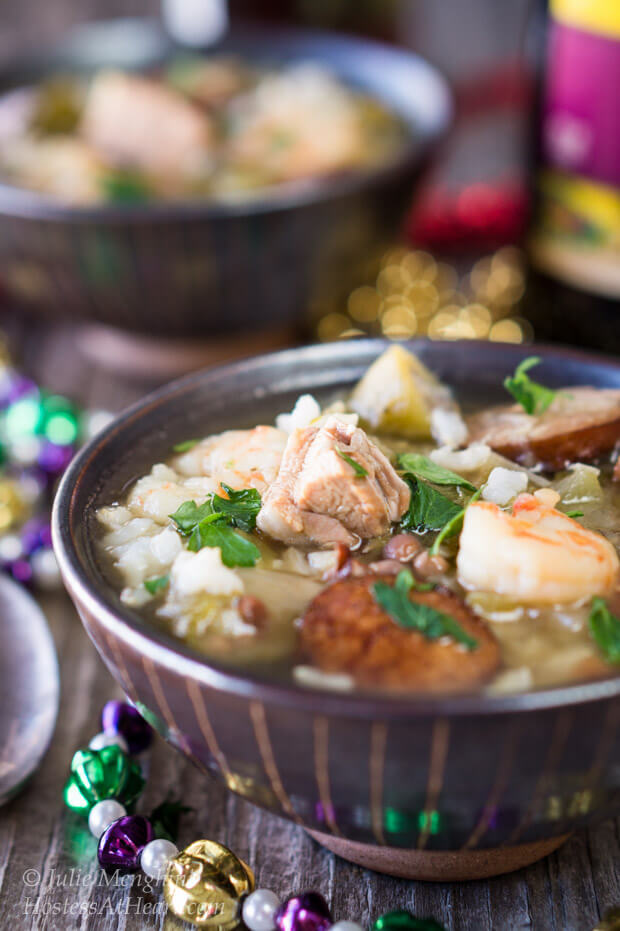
(536, 554)
(239, 458)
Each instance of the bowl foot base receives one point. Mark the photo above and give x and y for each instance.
(439, 865)
(164, 357)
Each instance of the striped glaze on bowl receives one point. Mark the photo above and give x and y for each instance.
(198, 267)
(450, 788)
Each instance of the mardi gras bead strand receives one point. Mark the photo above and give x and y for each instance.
(39, 434)
(205, 884)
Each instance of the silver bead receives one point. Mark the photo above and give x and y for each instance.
(156, 856)
(96, 421)
(25, 450)
(103, 814)
(102, 740)
(346, 926)
(45, 571)
(31, 489)
(10, 547)
(259, 909)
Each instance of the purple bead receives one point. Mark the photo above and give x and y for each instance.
(55, 459)
(14, 387)
(305, 912)
(118, 717)
(36, 534)
(21, 570)
(29, 473)
(123, 841)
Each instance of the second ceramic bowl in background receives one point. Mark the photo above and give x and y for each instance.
(198, 268)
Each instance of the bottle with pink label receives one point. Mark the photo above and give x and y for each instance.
(575, 240)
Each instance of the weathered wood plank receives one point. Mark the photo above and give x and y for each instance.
(604, 857)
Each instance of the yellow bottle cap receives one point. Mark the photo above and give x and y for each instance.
(601, 16)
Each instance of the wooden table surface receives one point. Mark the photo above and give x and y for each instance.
(48, 873)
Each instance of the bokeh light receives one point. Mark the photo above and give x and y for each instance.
(415, 295)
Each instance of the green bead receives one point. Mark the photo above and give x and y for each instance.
(60, 420)
(61, 429)
(23, 417)
(100, 774)
(405, 921)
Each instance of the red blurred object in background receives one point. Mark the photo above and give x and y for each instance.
(476, 214)
(480, 216)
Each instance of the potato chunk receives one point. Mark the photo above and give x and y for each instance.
(398, 394)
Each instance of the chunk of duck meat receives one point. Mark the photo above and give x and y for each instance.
(345, 630)
(580, 424)
(334, 486)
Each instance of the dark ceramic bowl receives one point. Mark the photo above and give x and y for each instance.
(436, 788)
(183, 269)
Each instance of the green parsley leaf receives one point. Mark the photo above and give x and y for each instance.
(533, 397)
(125, 187)
(153, 586)
(423, 467)
(166, 816)
(189, 515)
(240, 507)
(574, 514)
(453, 526)
(405, 581)
(413, 615)
(211, 523)
(605, 629)
(360, 471)
(428, 508)
(185, 446)
(236, 550)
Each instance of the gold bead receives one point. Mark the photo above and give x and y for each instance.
(12, 508)
(610, 921)
(205, 883)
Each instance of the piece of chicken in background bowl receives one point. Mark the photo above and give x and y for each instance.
(184, 266)
(400, 782)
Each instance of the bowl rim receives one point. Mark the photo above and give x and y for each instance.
(182, 660)
(23, 203)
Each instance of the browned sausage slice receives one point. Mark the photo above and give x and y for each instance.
(581, 424)
(345, 630)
